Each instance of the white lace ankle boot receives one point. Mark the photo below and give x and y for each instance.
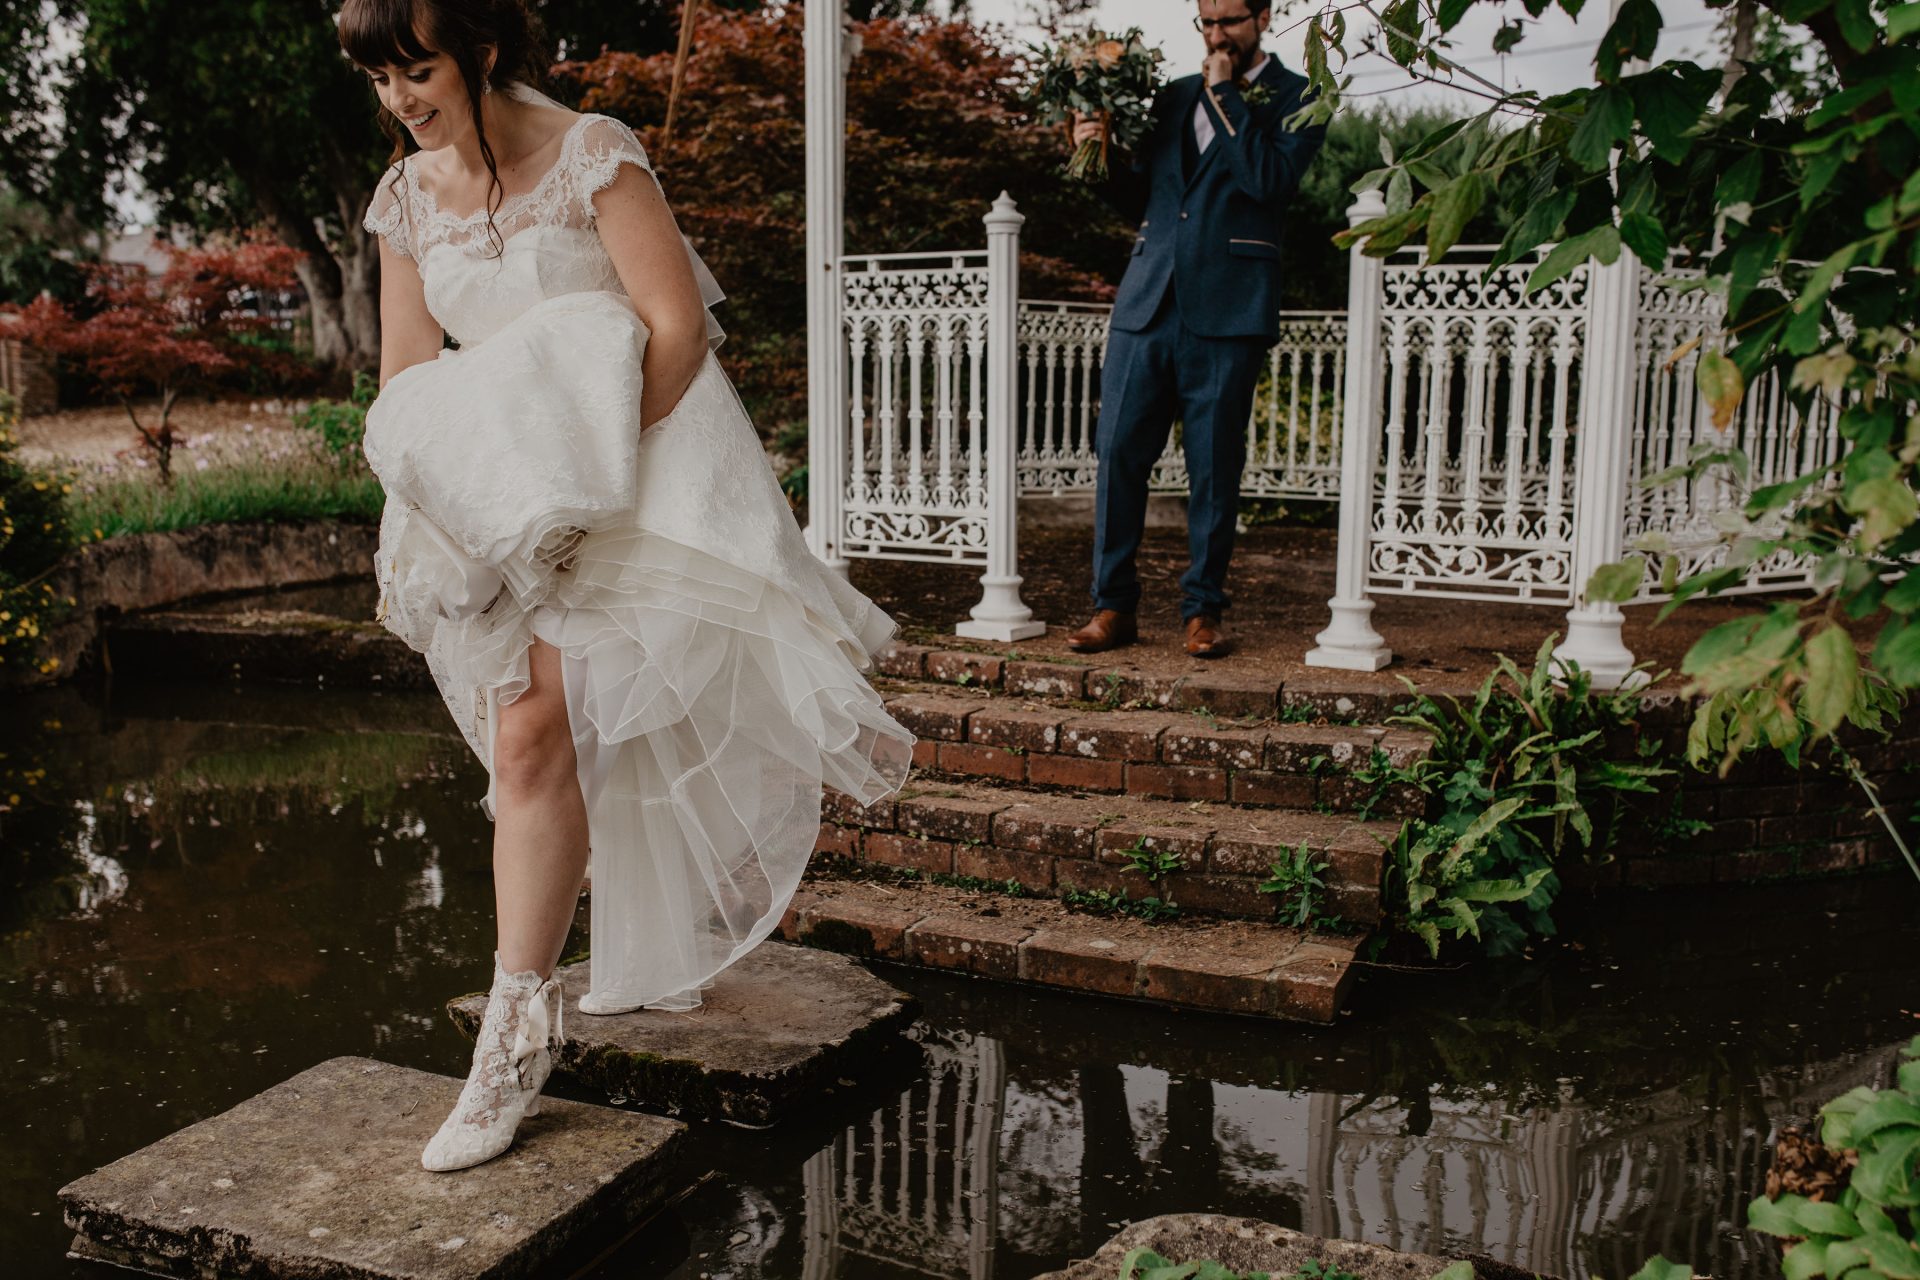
(512, 1057)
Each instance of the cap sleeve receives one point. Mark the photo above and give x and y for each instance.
(387, 212)
(605, 145)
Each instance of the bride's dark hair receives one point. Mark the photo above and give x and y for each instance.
(380, 33)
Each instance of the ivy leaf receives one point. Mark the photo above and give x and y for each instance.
(1856, 23)
(1607, 122)
(1805, 1260)
(1601, 242)
(1720, 384)
(1774, 1217)
(1646, 237)
(1453, 207)
(1401, 23)
(1892, 1256)
(1902, 21)
(1451, 11)
(1671, 101)
(1616, 583)
(1740, 181)
(1885, 505)
(1634, 33)
(1833, 680)
(1399, 192)
(1537, 225)
(1658, 1268)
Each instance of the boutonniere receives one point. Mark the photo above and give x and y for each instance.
(1256, 95)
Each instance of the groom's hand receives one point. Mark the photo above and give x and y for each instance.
(1218, 68)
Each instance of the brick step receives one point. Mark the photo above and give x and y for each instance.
(1333, 695)
(1173, 755)
(1263, 970)
(1052, 844)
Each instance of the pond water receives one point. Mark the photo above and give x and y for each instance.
(211, 889)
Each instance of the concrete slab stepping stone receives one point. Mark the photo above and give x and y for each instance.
(776, 1028)
(320, 1176)
(1250, 1245)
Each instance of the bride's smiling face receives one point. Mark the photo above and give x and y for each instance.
(428, 96)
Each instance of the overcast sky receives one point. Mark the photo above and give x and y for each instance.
(1556, 54)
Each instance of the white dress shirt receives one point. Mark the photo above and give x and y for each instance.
(1202, 122)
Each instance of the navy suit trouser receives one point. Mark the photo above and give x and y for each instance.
(1150, 377)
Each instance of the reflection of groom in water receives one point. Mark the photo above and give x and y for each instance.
(1196, 311)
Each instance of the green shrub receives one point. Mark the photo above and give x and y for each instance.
(1523, 774)
(35, 533)
(1871, 1231)
(341, 425)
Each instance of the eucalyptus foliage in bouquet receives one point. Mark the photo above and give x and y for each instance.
(1109, 77)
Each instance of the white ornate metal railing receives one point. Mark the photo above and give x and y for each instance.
(1472, 488)
(1484, 443)
(928, 444)
(1293, 434)
(916, 343)
(1670, 420)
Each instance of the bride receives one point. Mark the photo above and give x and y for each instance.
(583, 536)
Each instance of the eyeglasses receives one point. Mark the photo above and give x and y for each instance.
(1203, 25)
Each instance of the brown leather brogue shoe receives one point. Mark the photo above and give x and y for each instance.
(1205, 637)
(1109, 630)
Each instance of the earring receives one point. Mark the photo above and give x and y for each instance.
(486, 84)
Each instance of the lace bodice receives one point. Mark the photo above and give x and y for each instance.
(547, 242)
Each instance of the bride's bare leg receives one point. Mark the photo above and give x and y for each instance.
(540, 821)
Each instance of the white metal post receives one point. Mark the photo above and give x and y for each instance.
(824, 42)
(1607, 375)
(1350, 642)
(1001, 615)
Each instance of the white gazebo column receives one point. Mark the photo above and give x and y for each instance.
(826, 112)
(1607, 376)
(1001, 615)
(1350, 642)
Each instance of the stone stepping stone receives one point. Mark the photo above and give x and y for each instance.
(1250, 1245)
(320, 1176)
(780, 1025)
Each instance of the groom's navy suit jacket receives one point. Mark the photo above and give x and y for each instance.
(1213, 223)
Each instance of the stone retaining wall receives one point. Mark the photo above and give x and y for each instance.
(150, 570)
(1766, 819)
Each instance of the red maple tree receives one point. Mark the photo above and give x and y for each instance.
(935, 130)
(148, 339)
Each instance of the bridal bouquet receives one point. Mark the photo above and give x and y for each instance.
(1109, 77)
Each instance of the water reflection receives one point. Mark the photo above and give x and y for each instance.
(210, 890)
(976, 1171)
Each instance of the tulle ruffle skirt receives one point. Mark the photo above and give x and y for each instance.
(712, 673)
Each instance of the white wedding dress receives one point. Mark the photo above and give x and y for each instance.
(712, 665)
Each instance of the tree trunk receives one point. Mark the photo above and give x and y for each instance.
(342, 281)
(330, 346)
(360, 298)
(1744, 15)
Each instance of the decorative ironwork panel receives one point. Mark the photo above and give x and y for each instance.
(1480, 386)
(1293, 434)
(916, 333)
(1670, 421)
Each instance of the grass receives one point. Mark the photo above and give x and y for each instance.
(112, 502)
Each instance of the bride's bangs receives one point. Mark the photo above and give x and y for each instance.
(384, 33)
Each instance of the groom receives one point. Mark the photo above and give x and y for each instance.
(1196, 311)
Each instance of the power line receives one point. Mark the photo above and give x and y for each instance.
(1551, 48)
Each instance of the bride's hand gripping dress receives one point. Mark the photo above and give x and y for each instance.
(712, 665)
